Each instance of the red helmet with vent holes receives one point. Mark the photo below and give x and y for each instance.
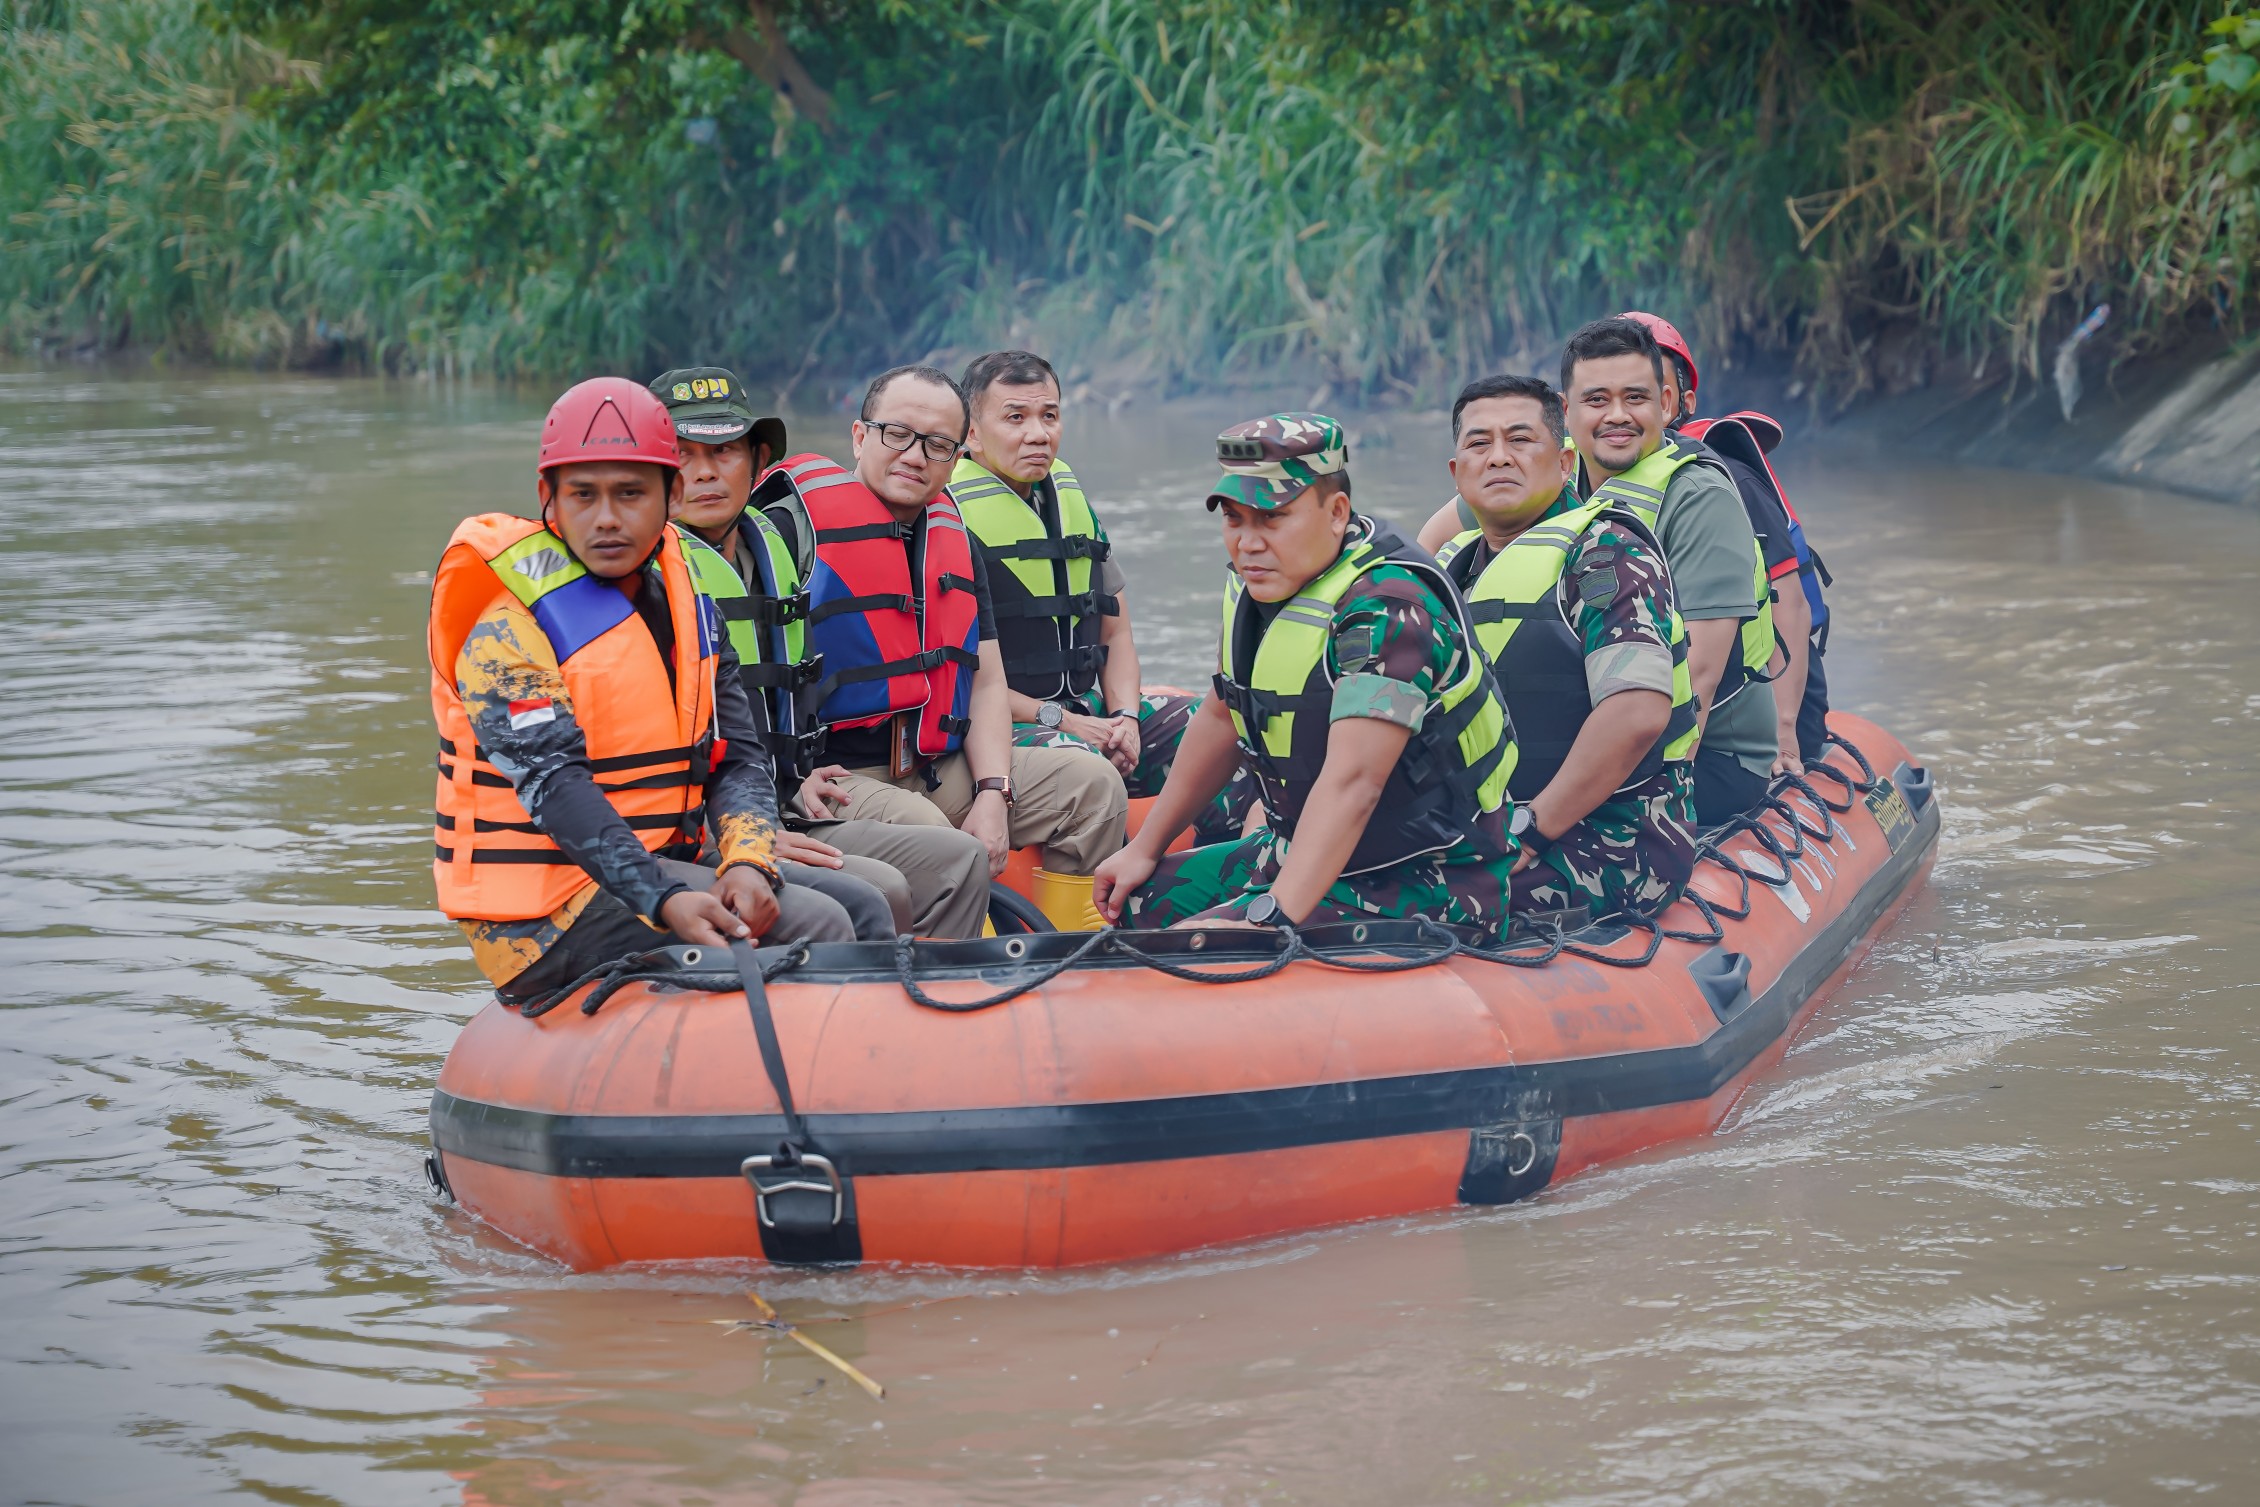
(1671, 340)
(609, 418)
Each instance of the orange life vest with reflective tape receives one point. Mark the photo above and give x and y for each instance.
(650, 751)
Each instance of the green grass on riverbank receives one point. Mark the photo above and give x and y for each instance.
(1380, 196)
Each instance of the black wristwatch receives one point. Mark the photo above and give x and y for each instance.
(1050, 715)
(1523, 828)
(1264, 910)
(1129, 711)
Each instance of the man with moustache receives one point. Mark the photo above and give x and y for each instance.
(592, 727)
(1349, 682)
(1574, 611)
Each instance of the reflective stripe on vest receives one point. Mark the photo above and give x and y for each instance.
(886, 649)
(1048, 612)
(1280, 694)
(1522, 621)
(1641, 491)
(649, 750)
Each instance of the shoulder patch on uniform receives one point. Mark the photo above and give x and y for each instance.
(1597, 584)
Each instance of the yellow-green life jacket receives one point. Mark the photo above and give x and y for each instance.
(766, 620)
(1522, 619)
(1048, 608)
(1275, 681)
(1641, 491)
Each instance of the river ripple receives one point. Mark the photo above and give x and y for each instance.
(1990, 1234)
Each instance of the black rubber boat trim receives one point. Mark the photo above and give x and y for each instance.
(1148, 1130)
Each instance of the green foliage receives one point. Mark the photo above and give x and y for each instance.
(1362, 194)
(142, 200)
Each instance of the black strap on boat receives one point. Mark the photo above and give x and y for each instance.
(803, 1205)
(765, 1033)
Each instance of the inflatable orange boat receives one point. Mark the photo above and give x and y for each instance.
(1046, 1100)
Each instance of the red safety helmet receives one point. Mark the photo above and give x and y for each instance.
(1671, 340)
(609, 418)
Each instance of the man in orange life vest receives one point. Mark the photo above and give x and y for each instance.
(592, 724)
(913, 692)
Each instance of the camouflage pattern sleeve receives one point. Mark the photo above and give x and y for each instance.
(1396, 647)
(508, 678)
(1622, 610)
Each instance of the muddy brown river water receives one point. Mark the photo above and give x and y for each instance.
(1990, 1234)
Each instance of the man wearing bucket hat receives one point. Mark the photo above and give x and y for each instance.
(592, 728)
(1349, 682)
(935, 878)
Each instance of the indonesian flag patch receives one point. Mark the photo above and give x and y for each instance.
(525, 714)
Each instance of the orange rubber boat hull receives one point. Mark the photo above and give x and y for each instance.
(1116, 1113)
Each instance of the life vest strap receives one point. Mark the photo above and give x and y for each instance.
(916, 664)
(763, 612)
(1500, 612)
(854, 532)
(689, 821)
(784, 677)
(890, 601)
(1079, 604)
(1062, 661)
(1069, 547)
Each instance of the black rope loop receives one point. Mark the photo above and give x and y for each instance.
(1703, 908)
(1452, 947)
(1633, 920)
(907, 975)
(1293, 948)
(1874, 781)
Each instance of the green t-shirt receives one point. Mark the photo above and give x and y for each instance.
(1711, 552)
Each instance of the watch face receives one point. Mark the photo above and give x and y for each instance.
(1048, 715)
(1264, 909)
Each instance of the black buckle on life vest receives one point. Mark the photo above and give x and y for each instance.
(958, 583)
(779, 612)
(955, 727)
(1084, 547)
(808, 671)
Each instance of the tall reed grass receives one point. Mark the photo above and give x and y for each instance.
(1367, 197)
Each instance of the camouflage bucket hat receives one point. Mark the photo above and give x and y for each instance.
(1269, 462)
(708, 405)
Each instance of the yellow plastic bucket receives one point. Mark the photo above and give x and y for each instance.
(1065, 899)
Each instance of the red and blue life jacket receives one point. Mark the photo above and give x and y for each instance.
(885, 647)
(1748, 437)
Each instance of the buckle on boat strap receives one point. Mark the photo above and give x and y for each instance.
(773, 1177)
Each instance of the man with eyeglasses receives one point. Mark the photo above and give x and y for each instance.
(912, 692)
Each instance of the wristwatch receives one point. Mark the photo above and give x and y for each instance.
(1050, 715)
(998, 783)
(1523, 828)
(1129, 711)
(1264, 910)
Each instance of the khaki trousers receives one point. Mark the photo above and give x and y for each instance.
(934, 877)
(1069, 801)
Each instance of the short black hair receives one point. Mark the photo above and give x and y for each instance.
(1013, 368)
(923, 373)
(1534, 388)
(1612, 337)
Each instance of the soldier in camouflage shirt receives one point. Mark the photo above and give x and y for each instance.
(1388, 818)
(1605, 774)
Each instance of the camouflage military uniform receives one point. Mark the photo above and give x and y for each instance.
(1162, 720)
(1394, 648)
(1637, 848)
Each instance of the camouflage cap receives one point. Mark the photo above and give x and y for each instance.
(1269, 462)
(708, 405)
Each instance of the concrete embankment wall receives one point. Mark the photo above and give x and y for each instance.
(2186, 422)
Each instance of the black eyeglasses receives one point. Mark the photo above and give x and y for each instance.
(899, 436)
